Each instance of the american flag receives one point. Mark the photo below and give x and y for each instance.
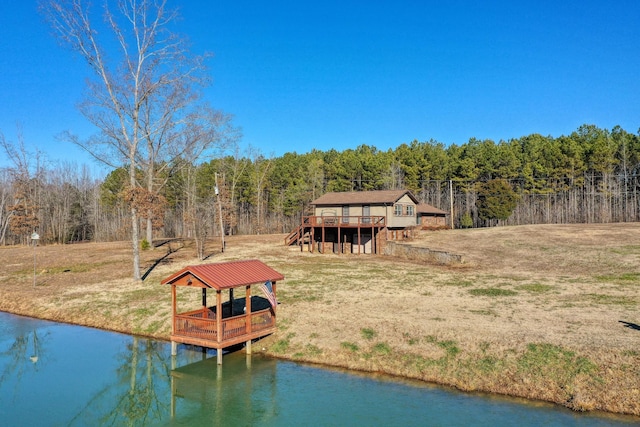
(268, 292)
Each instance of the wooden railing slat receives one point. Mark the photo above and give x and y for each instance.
(193, 324)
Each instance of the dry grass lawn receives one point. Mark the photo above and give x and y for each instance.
(547, 312)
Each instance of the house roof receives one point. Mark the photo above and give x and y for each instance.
(363, 197)
(424, 208)
(225, 275)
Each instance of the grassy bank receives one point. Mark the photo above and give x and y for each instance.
(542, 312)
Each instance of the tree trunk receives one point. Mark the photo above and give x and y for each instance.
(150, 231)
(135, 245)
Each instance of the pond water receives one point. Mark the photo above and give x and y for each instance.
(54, 374)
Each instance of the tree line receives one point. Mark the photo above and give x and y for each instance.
(591, 175)
(173, 163)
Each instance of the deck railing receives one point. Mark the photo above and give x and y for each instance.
(202, 324)
(344, 221)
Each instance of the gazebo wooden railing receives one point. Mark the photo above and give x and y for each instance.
(202, 324)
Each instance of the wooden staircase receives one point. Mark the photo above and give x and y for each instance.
(299, 234)
(294, 236)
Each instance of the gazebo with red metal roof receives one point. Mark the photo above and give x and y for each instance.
(230, 323)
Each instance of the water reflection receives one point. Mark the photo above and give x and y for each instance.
(135, 396)
(54, 374)
(239, 392)
(25, 346)
(60, 375)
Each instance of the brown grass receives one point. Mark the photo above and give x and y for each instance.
(546, 312)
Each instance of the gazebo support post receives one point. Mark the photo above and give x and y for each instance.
(247, 301)
(219, 325)
(174, 312)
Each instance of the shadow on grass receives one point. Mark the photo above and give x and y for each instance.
(162, 258)
(170, 251)
(224, 246)
(630, 325)
(209, 256)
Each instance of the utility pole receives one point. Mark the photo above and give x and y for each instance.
(219, 211)
(451, 201)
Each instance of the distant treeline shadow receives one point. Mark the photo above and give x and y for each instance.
(630, 325)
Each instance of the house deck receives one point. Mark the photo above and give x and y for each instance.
(360, 232)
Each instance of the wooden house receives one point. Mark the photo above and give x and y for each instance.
(397, 206)
(237, 320)
(357, 222)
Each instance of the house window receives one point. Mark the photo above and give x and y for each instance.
(404, 210)
(345, 214)
(366, 214)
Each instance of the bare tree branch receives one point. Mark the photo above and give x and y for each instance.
(144, 97)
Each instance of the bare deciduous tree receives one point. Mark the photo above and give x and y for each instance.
(5, 199)
(260, 173)
(145, 97)
(26, 177)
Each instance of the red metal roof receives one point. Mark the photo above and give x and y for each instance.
(226, 275)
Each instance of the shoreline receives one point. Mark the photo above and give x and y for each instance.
(553, 336)
(355, 370)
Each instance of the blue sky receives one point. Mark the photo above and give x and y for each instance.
(299, 75)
